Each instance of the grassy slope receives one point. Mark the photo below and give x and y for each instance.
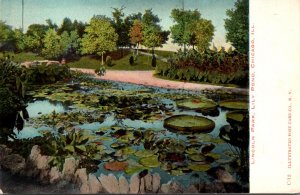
(21, 57)
(143, 63)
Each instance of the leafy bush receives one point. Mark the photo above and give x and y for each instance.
(100, 70)
(12, 92)
(108, 61)
(210, 66)
(153, 61)
(131, 60)
(41, 73)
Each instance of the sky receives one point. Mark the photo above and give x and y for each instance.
(37, 11)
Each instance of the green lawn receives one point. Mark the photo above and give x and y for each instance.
(161, 53)
(143, 63)
(21, 57)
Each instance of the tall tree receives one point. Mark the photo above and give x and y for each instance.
(5, 32)
(34, 37)
(237, 26)
(51, 24)
(121, 28)
(135, 33)
(66, 25)
(152, 34)
(19, 40)
(52, 45)
(100, 37)
(204, 33)
(182, 30)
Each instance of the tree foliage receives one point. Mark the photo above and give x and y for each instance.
(135, 33)
(182, 30)
(5, 32)
(204, 32)
(237, 26)
(34, 37)
(19, 40)
(153, 35)
(100, 37)
(52, 45)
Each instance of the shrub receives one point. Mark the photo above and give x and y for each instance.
(131, 60)
(108, 61)
(153, 61)
(100, 70)
(210, 66)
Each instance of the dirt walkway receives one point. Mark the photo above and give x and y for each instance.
(146, 78)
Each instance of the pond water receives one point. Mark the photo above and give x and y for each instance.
(83, 102)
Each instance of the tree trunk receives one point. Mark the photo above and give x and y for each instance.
(137, 49)
(102, 58)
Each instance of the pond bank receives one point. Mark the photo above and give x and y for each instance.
(146, 78)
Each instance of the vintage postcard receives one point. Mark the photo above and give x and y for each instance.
(138, 96)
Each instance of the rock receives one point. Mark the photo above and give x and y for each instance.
(192, 189)
(123, 184)
(54, 175)
(155, 182)
(224, 176)
(109, 183)
(13, 163)
(35, 153)
(215, 187)
(176, 188)
(85, 188)
(94, 184)
(165, 188)
(80, 176)
(4, 151)
(142, 186)
(148, 182)
(44, 176)
(69, 168)
(42, 162)
(134, 184)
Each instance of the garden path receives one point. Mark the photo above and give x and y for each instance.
(146, 78)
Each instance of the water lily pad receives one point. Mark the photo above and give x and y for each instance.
(128, 150)
(234, 104)
(115, 166)
(199, 167)
(134, 169)
(169, 145)
(151, 161)
(188, 123)
(199, 105)
(197, 157)
(177, 172)
(144, 153)
(236, 117)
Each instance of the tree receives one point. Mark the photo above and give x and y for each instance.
(19, 40)
(135, 33)
(51, 24)
(34, 37)
(66, 25)
(237, 26)
(182, 30)
(204, 33)
(70, 43)
(5, 34)
(100, 37)
(52, 45)
(152, 34)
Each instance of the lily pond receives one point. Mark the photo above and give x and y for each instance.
(125, 129)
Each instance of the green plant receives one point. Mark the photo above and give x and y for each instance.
(100, 70)
(131, 60)
(109, 61)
